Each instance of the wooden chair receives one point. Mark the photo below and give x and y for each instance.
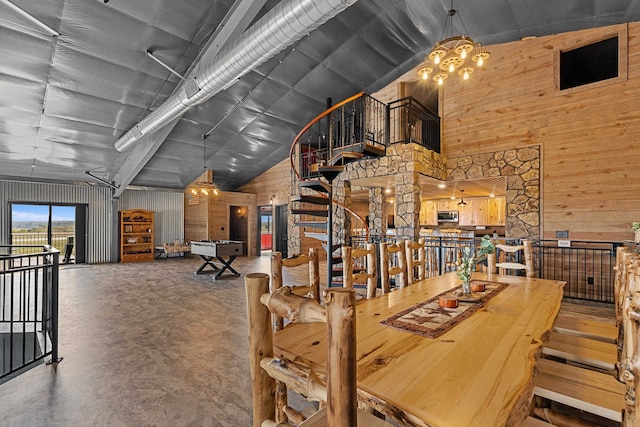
(452, 249)
(416, 261)
(393, 263)
(312, 289)
(340, 390)
(507, 255)
(359, 268)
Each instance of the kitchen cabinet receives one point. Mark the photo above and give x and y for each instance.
(474, 212)
(429, 212)
(448, 205)
(477, 211)
(496, 211)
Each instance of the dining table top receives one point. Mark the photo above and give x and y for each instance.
(478, 373)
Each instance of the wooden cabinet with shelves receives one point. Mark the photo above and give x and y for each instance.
(136, 235)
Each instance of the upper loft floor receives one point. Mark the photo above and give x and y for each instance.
(361, 127)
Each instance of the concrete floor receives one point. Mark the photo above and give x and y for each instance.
(144, 344)
(148, 344)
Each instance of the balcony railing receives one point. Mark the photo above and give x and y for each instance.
(25, 243)
(411, 122)
(28, 307)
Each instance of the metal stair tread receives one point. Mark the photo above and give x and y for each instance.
(314, 224)
(316, 185)
(306, 198)
(314, 212)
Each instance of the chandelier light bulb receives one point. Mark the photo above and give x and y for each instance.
(452, 68)
(466, 75)
(425, 76)
(215, 191)
(440, 81)
(480, 62)
(436, 60)
(463, 54)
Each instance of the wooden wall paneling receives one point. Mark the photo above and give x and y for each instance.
(196, 219)
(588, 136)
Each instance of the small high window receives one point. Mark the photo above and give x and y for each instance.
(588, 64)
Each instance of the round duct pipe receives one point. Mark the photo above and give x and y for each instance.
(286, 23)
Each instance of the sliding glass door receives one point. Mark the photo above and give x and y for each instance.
(48, 224)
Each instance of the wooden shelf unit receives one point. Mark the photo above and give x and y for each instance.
(136, 235)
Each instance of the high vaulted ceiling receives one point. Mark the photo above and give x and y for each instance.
(65, 101)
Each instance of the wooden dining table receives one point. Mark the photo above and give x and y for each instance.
(477, 373)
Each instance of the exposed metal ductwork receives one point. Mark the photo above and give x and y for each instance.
(289, 21)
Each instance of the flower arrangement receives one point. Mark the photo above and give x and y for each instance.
(470, 258)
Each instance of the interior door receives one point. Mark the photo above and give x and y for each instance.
(281, 234)
(239, 225)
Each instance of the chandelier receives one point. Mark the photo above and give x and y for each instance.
(204, 184)
(455, 53)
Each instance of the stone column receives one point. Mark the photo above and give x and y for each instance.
(377, 222)
(341, 218)
(407, 218)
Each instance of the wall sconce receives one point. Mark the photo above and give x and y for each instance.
(271, 201)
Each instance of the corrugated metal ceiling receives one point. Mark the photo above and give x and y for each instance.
(64, 101)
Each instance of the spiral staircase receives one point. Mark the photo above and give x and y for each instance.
(349, 131)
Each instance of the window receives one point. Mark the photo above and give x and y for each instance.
(592, 63)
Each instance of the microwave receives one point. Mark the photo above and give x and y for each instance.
(447, 216)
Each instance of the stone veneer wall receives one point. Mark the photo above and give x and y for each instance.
(406, 162)
(521, 167)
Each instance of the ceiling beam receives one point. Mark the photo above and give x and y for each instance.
(237, 20)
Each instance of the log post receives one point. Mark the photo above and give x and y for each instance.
(347, 267)
(402, 265)
(276, 282)
(341, 357)
(260, 345)
(314, 274)
(384, 268)
(372, 281)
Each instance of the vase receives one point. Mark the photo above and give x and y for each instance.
(637, 236)
(466, 288)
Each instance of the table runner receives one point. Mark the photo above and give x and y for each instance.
(430, 320)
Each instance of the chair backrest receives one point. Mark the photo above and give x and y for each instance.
(507, 254)
(393, 263)
(312, 289)
(340, 390)
(359, 268)
(416, 260)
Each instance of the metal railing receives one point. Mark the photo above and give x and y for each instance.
(358, 124)
(410, 121)
(28, 307)
(587, 267)
(25, 243)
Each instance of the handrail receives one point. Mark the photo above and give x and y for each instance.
(352, 212)
(313, 122)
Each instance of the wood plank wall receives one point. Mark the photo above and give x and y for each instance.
(209, 218)
(590, 136)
